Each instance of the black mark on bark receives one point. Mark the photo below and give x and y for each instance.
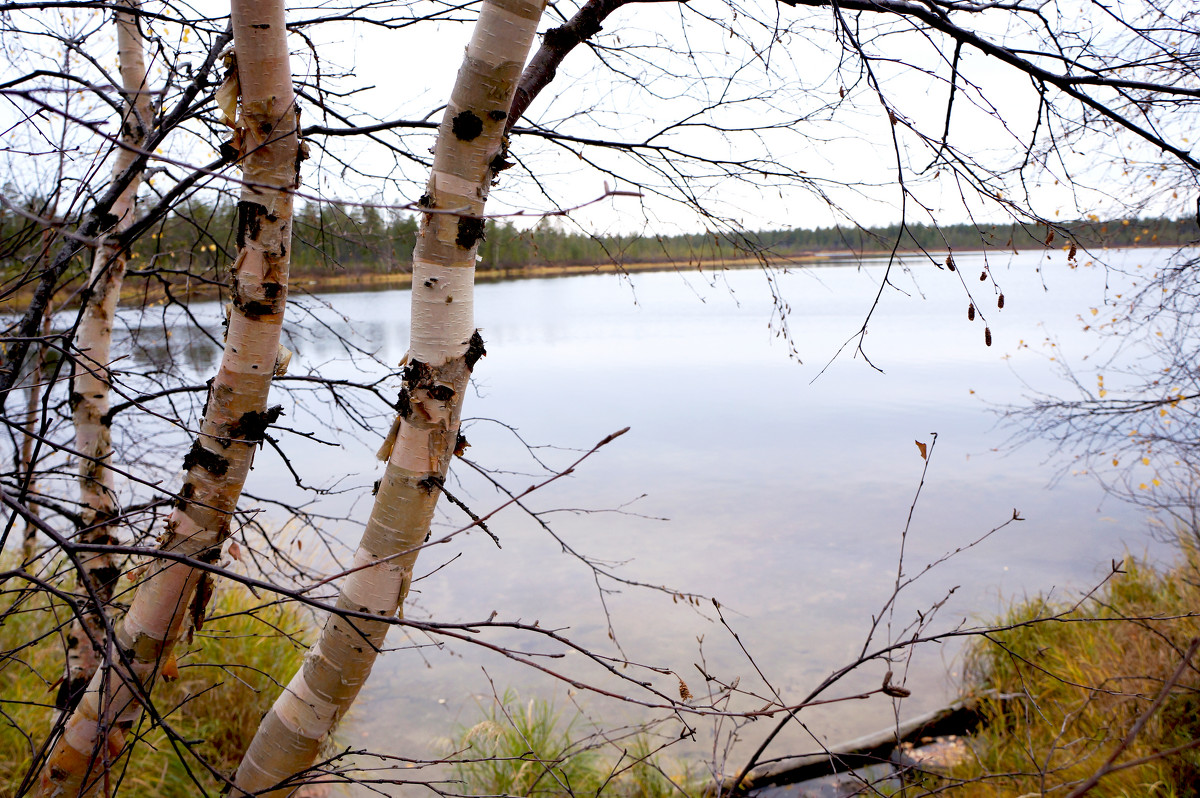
(500, 162)
(415, 373)
(207, 396)
(466, 126)
(256, 308)
(185, 493)
(249, 221)
(475, 350)
(470, 231)
(211, 462)
(107, 221)
(106, 577)
(69, 693)
(253, 424)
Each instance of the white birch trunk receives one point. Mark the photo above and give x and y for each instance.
(235, 416)
(90, 392)
(443, 350)
(29, 429)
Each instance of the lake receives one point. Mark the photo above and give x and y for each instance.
(780, 487)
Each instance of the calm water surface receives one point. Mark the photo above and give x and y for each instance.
(745, 475)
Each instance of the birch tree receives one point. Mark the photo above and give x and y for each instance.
(29, 439)
(444, 348)
(90, 394)
(646, 144)
(265, 134)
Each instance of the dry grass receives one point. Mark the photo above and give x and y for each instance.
(1081, 681)
(226, 683)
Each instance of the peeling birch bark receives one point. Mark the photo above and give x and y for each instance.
(92, 382)
(469, 152)
(235, 418)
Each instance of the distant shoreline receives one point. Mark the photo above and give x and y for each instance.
(136, 293)
(347, 283)
(141, 294)
(404, 280)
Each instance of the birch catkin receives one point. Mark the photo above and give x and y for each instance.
(235, 419)
(443, 350)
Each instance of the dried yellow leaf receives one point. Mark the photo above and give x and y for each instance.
(170, 669)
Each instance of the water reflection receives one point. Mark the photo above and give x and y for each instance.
(168, 340)
(785, 494)
(196, 355)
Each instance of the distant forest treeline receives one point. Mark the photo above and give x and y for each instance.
(332, 239)
(336, 238)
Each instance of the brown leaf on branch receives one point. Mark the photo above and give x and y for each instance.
(170, 669)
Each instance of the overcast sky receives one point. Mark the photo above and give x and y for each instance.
(758, 82)
(717, 69)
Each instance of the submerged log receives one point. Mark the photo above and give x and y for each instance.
(960, 718)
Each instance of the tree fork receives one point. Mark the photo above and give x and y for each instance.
(444, 349)
(235, 416)
(557, 44)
